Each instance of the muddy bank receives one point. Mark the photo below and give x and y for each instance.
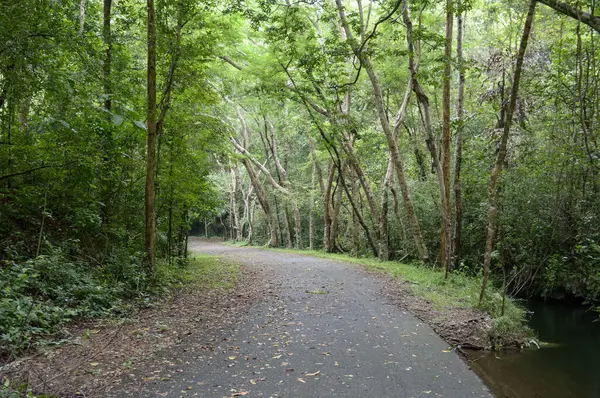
(464, 327)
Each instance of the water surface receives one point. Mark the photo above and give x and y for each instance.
(570, 368)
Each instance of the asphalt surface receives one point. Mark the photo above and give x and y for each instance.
(324, 329)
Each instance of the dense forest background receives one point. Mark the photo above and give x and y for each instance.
(462, 134)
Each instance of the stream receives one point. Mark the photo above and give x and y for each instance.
(568, 368)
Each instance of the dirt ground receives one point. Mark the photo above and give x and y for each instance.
(102, 355)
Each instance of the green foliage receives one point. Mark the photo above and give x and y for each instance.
(508, 331)
(39, 296)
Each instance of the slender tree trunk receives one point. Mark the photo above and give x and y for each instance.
(285, 182)
(150, 243)
(446, 226)
(355, 224)
(384, 248)
(251, 223)
(81, 17)
(459, 140)
(107, 36)
(364, 183)
(297, 225)
(238, 225)
(311, 210)
(356, 210)
(327, 245)
(171, 204)
(492, 221)
(335, 215)
(288, 227)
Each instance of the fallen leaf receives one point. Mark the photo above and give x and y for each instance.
(276, 357)
(448, 350)
(313, 374)
(300, 380)
(239, 394)
(232, 357)
(94, 364)
(426, 392)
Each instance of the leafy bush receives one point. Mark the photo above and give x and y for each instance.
(38, 296)
(577, 273)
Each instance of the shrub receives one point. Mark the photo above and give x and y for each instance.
(38, 296)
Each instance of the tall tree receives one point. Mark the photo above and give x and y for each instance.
(446, 226)
(150, 195)
(492, 215)
(460, 110)
(366, 63)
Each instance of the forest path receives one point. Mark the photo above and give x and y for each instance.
(323, 330)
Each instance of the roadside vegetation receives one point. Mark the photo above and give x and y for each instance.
(40, 297)
(146, 318)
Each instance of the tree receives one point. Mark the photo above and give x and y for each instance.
(150, 232)
(492, 215)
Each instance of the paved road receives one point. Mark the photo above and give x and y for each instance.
(324, 330)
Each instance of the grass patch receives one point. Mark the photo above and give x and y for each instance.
(203, 272)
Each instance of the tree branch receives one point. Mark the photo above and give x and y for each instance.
(230, 62)
(591, 20)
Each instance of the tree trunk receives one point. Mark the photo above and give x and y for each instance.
(297, 226)
(107, 37)
(446, 226)
(311, 210)
(264, 203)
(251, 223)
(384, 244)
(384, 248)
(328, 247)
(591, 20)
(81, 17)
(492, 220)
(355, 224)
(235, 196)
(335, 219)
(364, 183)
(150, 244)
(459, 140)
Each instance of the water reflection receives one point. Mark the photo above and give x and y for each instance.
(570, 369)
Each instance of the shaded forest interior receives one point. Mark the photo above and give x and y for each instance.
(463, 135)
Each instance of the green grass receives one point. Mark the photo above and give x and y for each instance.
(203, 272)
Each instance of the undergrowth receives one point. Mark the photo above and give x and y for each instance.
(39, 296)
